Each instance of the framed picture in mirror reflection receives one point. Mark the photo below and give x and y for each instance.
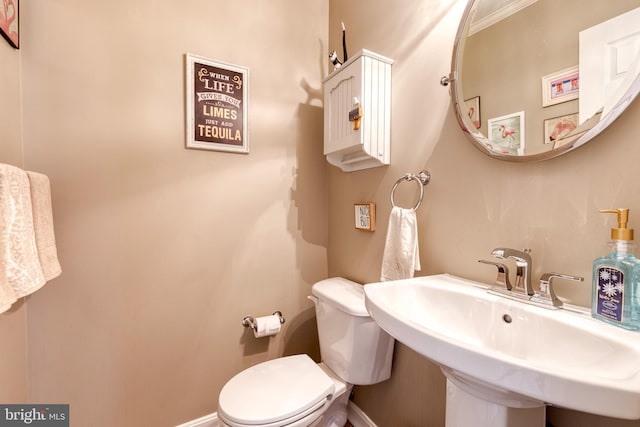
(472, 107)
(506, 134)
(558, 129)
(561, 86)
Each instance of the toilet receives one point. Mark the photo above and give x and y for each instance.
(294, 391)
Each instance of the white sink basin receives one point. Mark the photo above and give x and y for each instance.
(559, 357)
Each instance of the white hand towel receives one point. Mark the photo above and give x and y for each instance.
(401, 256)
(43, 225)
(7, 294)
(20, 271)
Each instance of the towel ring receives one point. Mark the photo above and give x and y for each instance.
(422, 179)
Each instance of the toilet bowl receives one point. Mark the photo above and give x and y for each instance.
(288, 391)
(294, 391)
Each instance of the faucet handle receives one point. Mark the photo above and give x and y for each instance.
(503, 273)
(546, 287)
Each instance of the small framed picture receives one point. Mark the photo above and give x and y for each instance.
(472, 109)
(561, 86)
(506, 133)
(365, 216)
(10, 21)
(557, 128)
(217, 110)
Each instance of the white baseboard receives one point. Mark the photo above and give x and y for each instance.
(210, 420)
(356, 417)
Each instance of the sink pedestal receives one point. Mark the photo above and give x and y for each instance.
(472, 404)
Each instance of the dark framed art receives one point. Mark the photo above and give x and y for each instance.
(217, 110)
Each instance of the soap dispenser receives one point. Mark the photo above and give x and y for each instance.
(615, 278)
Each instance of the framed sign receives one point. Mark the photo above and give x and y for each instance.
(217, 110)
(10, 21)
(365, 216)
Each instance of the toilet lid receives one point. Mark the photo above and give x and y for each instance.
(275, 390)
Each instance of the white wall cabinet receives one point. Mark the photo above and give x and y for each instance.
(357, 113)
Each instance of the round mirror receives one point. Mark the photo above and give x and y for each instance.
(533, 79)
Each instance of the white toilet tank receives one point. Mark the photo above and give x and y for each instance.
(351, 344)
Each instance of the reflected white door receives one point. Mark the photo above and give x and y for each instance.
(608, 62)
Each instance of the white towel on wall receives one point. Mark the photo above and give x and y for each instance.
(401, 257)
(43, 225)
(20, 270)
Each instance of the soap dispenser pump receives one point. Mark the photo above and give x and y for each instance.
(615, 278)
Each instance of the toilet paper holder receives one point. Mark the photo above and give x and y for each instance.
(250, 321)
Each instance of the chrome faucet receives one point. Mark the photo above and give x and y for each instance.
(523, 287)
(547, 293)
(523, 267)
(503, 273)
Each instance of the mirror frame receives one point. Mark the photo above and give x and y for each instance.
(476, 137)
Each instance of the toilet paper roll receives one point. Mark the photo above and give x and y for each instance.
(267, 326)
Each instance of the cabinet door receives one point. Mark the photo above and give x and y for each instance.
(339, 94)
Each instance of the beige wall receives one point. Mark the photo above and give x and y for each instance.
(473, 203)
(163, 249)
(13, 364)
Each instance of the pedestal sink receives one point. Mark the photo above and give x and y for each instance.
(505, 360)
